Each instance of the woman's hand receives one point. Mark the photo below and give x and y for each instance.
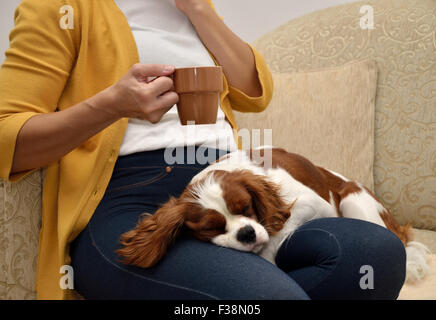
(135, 97)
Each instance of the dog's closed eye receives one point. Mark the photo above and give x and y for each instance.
(245, 209)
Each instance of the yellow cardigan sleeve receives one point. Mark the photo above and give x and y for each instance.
(33, 76)
(244, 103)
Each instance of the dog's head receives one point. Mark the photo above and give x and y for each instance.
(236, 209)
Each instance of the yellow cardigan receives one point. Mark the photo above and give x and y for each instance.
(48, 68)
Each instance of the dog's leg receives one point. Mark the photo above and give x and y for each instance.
(357, 203)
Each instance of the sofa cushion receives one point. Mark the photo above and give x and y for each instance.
(326, 116)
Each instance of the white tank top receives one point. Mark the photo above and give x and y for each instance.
(164, 35)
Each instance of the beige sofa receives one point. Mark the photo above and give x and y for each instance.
(403, 44)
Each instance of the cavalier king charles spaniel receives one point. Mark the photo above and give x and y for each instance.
(244, 202)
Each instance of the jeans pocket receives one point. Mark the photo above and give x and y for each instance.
(129, 178)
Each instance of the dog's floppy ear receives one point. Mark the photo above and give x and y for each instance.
(270, 209)
(145, 245)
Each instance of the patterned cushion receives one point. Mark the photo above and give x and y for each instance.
(427, 237)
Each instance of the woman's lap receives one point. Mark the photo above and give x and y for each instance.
(197, 270)
(191, 269)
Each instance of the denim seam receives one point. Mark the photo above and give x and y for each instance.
(140, 276)
(144, 183)
(141, 167)
(337, 244)
(147, 182)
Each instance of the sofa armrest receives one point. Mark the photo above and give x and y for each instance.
(20, 222)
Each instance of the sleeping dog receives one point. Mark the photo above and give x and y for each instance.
(246, 203)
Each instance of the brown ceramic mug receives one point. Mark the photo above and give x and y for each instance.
(199, 91)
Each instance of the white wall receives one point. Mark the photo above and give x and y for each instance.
(249, 19)
(7, 8)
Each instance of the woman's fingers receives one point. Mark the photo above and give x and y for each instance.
(143, 71)
(136, 96)
(162, 105)
(169, 98)
(160, 85)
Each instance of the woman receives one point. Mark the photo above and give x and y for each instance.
(75, 99)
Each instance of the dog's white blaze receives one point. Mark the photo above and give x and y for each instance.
(209, 195)
(362, 205)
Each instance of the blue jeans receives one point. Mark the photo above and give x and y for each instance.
(321, 260)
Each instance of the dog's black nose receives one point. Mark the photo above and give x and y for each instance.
(246, 234)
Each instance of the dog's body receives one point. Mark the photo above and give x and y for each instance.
(253, 200)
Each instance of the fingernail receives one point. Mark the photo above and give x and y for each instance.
(168, 69)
